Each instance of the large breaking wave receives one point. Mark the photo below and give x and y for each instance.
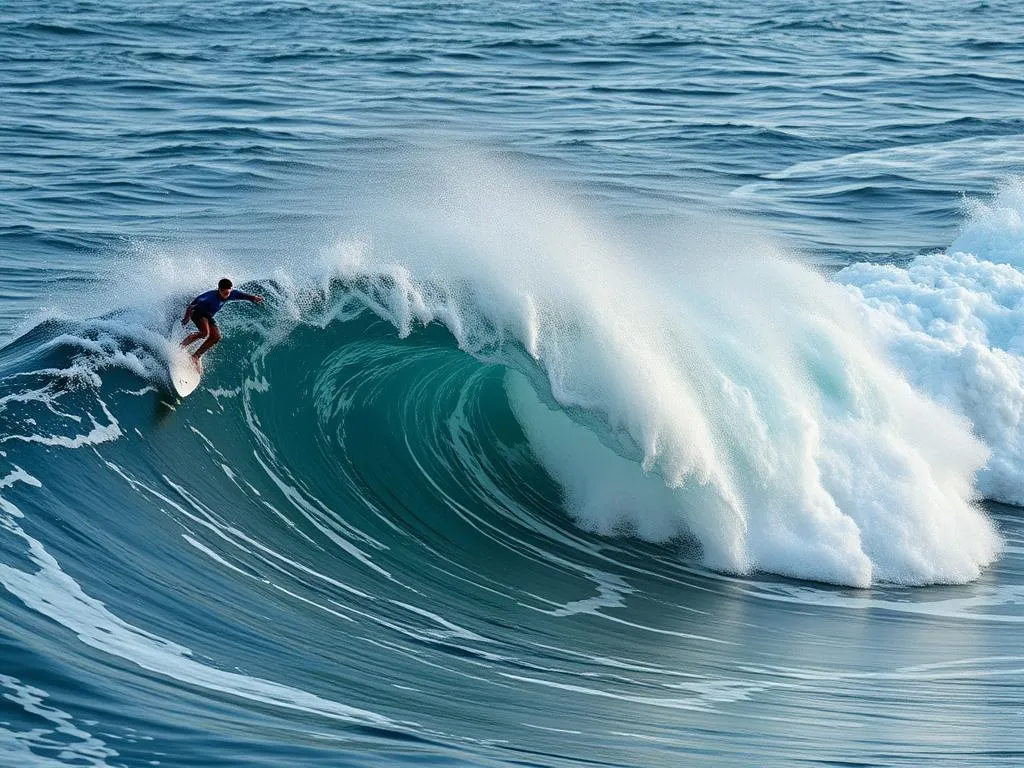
(687, 385)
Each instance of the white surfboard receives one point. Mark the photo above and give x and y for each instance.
(185, 376)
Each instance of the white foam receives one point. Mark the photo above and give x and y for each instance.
(954, 324)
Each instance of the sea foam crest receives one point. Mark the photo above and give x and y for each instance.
(954, 324)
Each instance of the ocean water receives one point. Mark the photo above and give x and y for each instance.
(638, 384)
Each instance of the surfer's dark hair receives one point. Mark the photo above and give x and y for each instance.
(224, 284)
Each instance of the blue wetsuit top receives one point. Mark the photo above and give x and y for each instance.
(209, 303)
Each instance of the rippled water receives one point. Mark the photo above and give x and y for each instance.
(638, 384)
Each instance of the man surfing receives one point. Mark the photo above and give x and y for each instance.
(201, 312)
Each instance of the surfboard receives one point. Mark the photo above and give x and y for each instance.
(185, 377)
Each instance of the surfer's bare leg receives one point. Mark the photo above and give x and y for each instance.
(203, 324)
(211, 340)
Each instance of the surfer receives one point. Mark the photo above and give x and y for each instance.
(201, 312)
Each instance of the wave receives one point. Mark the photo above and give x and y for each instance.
(481, 348)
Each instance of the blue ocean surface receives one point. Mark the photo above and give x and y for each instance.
(638, 384)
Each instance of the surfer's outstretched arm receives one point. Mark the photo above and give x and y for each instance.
(243, 296)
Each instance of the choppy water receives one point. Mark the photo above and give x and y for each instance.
(638, 384)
